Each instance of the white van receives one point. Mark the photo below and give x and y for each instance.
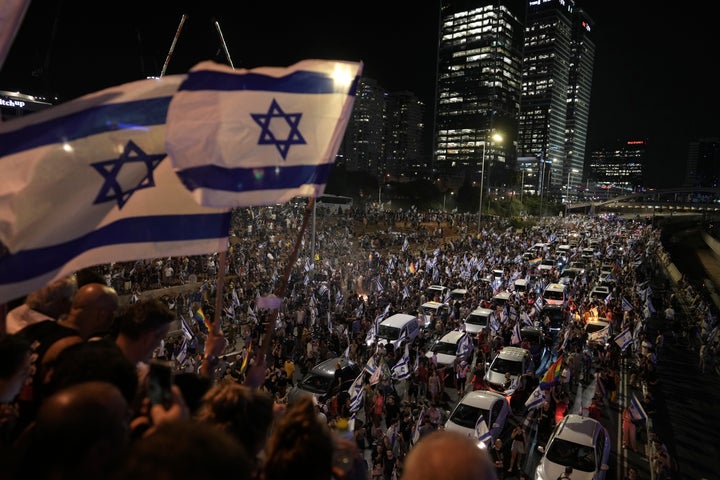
(398, 329)
(431, 311)
(555, 294)
(513, 360)
(479, 320)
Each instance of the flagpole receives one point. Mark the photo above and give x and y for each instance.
(281, 290)
(225, 48)
(172, 45)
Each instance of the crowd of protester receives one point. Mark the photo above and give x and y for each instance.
(76, 356)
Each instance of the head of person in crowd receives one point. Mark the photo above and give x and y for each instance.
(447, 455)
(92, 310)
(193, 388)
(14, 366)
(186, 449)
(47, 303)
(99, 360)
(140, 327)
(245, 413)
(80, 432)
(299, 442)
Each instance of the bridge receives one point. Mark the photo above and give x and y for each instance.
(653, 202)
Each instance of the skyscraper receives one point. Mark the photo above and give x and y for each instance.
(403, 135)
(478, 87)
(557, 77)
(362, 148)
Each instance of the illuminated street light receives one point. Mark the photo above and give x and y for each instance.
(497, 138)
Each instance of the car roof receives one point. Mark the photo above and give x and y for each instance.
(433, 304)
(513, 353)
(556, 286)
(578, 429)
(482, 312)
(327, 367)
(398, 319)
(481, 398)
(504, 295)
(452, 336)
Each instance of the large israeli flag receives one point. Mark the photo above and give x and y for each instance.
(88, 182)
(356, 393)
(401, 370)
(262, 136)
(624, 339)
(481, 430)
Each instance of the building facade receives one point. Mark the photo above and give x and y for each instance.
(618, 169)
(478, 89)
(703, 163)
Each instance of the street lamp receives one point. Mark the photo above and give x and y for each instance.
(498, 138)
(567, 189)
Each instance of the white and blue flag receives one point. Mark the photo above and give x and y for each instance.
(88, 182)
(401, 370)
(241, 137)
(624, 339)
(356, 393)
(481, 430)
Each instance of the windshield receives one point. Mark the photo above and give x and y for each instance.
(477, 320)
(502, 365)
(594, 327)
(388, 333)
(316, 383)
(579, 457)
(554, 295)
(445, 347)
(467, 415)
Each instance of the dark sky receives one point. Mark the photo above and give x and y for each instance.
(653, 76)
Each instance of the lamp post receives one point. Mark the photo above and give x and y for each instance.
(567, 188)
(498, 138)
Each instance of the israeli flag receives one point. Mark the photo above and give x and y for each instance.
(536, 398)
(464, 346)
(241, 137)
(626, 305)
(100, 159)
(405, 245)
(418, 424)
(356, 393)
(186, 331)
(406, 292)
(624, 339)
(481, 430)
(401, 370)
(516, 337)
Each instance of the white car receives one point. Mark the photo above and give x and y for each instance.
(512, 360)
(449, 348)
(478, 320)
(599, 292)
(492, 406)
(598, 330)
(578, 442)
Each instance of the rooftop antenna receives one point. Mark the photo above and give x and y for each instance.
(224, 45)
(172, 46)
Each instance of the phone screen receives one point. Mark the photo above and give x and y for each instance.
(160, 383)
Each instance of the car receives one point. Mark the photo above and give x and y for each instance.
(430, 311)
(458, 293)
(599, 292)
(501, 298)
(478, 320)
(492, 406)
(573, 272)
(547, 264)
(579, 442)
(580, 265)
(555, 294)
(513, 360)
(446, 348)
(556, 316)
(437, 293)
(318, 382)
(535, 337)
(598, 331)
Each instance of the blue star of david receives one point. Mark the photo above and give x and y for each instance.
(268, 138)
(112, 190)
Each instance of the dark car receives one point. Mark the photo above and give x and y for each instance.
(557, 317)
(319, 382)
(536, 338)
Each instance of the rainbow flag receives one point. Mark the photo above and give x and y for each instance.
(202, 320)
(246, 357)
(553, 371)
(412, 268)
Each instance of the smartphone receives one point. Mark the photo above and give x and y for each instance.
(160, 380)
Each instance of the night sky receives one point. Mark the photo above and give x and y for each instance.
(653, 77)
